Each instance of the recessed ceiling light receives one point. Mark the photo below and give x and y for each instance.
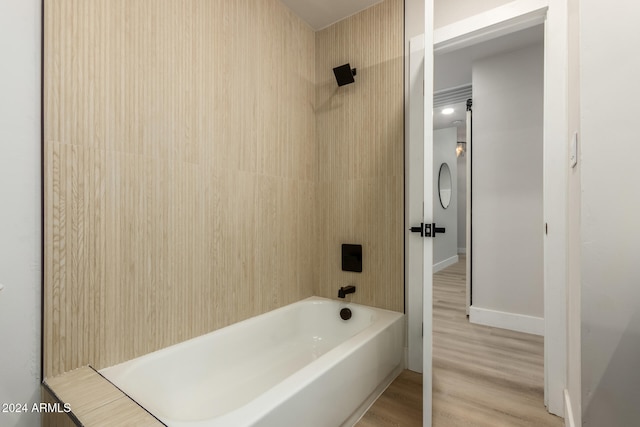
(448, 111)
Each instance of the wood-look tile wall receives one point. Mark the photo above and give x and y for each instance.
(180, 171)
(198, 171)
(360, 135)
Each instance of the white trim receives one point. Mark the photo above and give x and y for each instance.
(568, 411)
(462, 251)
(511, 17)
(444, 264)
(504, 320)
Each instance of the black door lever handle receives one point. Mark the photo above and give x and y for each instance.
(417, 229)
(438, 230)
(427, 230)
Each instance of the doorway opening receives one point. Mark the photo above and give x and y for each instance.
(502, 79)
(497, 177)
(488, 26)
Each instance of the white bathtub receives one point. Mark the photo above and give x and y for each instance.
(300, 365)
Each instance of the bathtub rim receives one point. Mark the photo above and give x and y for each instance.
(386, 314)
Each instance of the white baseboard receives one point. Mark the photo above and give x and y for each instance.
(462, 251)
(444, 264)
(568, 410)
(504, 320)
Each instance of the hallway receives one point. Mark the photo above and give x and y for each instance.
(483, 376)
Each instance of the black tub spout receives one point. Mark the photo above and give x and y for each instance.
(343, 291)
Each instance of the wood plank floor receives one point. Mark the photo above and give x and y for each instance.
(399, 405)
(483, 376)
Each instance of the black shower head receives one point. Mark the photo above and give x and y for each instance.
(344, 74)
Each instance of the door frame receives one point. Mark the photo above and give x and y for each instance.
(503, 20)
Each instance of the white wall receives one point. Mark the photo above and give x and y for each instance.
(507, 247)
(20, 208)
(610, 258)
(450, 11)
(445, 246)
(462, 202)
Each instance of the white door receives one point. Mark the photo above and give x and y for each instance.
(419, 210)
(415, 199)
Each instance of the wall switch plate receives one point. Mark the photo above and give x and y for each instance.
(573, 150)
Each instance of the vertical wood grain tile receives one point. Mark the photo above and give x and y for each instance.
(359, 131)
(179, 148)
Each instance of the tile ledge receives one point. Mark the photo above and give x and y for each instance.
(94, 401)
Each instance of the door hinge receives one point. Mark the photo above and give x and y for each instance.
(546, 228)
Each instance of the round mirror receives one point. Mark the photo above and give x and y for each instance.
(444, 185)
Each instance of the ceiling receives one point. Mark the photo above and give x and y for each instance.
(441, 121)
(320, 14)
